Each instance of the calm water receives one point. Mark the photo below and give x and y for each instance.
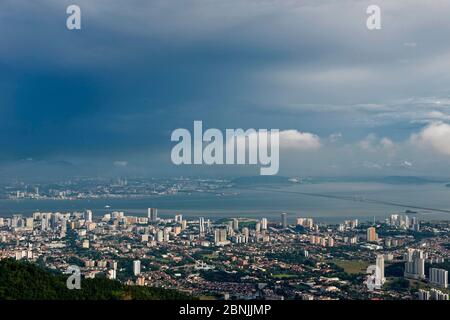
(257, 203)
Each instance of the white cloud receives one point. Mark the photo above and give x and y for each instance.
(438, 115)
(435, 136)
(293, 139)
(334, 137)
(288, 140)
(120, 163)
(387, 144)
(410, 44)
(372, 144)
(372, 165)
(368, 143)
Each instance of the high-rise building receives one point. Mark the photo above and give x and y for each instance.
(423, 294)
(330, 242)
(230, 228)
(264, 224)
(88, 216)
(166, 234)
(380, 267)
(136, 267)
(178, 218)
(54, 221)
(306, 296)
(372, 234)
(44, 224)
(414, 220)
(140, 281)
(415, 264)
(85, 244)
(246, 233)
(220, 236)
(29, 224)
(433, 294)
(160, 236)
(393, 219)
(15, 220)
(177, 230)
(152, 214)
(438, 295)
(235, 224)
(305, 222)
(405, 222)
(201, 225)
(112, 274)
(113, 265)
(284, 220)
(439, 277)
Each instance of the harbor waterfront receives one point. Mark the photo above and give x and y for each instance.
(322, 201)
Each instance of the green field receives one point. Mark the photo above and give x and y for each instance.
(352, 266)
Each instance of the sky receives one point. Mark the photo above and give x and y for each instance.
(105, 99)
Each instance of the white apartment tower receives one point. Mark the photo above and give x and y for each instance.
(439, 277)
(415, 264)
(136, 267)
(380, 266)
(152, 214)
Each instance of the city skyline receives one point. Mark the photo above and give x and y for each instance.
(190, 255)
(243, 151)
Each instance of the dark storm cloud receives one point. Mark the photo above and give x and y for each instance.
(139, 69)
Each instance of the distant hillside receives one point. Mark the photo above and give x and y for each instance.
(26, 281)
(261, 180)
(406, 180)
(414, 180)
(280, 180)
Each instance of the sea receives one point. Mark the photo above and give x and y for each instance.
(330, 202)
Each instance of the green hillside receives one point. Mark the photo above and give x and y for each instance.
(26, 281)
